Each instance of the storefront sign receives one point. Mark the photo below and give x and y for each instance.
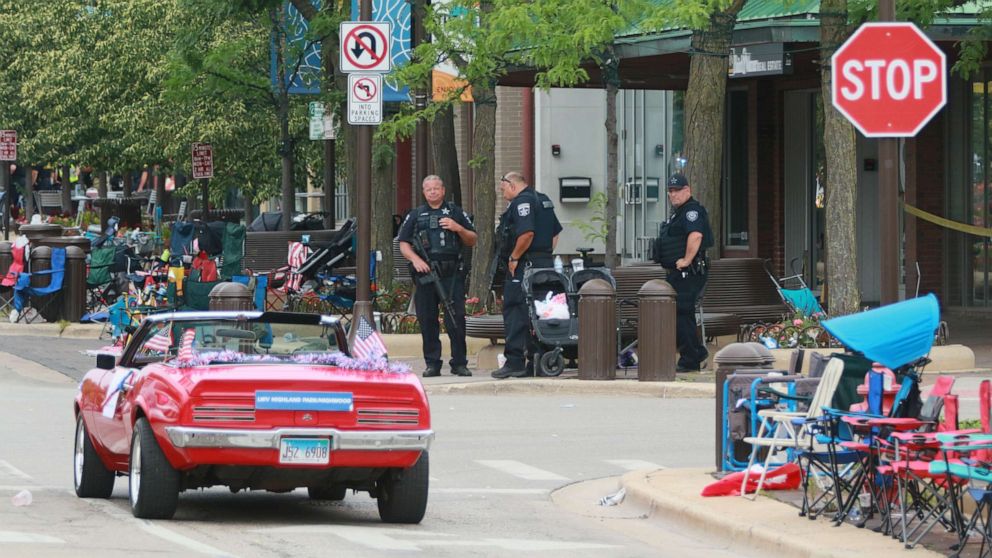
(769, 59)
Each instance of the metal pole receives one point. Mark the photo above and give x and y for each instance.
(888, 199)
(8, 197)
(330, 161)
(363, 183)
(205, 188)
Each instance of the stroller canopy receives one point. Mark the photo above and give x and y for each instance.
(893, 335)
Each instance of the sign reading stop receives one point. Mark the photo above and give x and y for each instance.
(889, 79)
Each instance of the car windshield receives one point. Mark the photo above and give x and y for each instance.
(220, 341)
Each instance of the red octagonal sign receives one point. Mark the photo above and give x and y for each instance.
(889, 79)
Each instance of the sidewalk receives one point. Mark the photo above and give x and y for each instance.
(765, 525)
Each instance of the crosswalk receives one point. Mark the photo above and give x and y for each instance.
(529, 472)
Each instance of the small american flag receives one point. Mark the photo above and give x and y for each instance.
(160, 342)
(368, 343)
(186, 347)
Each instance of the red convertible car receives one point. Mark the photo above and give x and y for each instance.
(250, 400)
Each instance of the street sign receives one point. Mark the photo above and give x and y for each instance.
(889, 79)
(316, 109)
(203, 161)
(365, 46)
(8, 145)
(365, 99)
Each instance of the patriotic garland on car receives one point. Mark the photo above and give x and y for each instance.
(336, 358)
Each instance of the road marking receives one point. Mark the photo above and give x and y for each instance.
(161, 532)
(399, 539)
(10, 469)
(521, 470)
(490, 491)
(633, 464)
(30, 538)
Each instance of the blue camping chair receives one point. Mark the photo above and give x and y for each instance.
(24, 292)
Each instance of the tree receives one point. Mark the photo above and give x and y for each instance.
(841, 173)
(705, 104)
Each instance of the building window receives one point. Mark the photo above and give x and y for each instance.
(980, 201)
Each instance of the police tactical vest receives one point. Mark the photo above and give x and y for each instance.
(444, 244)
(544, 223)
(673, 236)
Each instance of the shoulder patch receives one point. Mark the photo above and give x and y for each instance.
(548, 204)
(523, 209)
(467, 218)
(692, 215)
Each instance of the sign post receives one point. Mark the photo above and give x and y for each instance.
(8, 154)
(364, 48)
(203, 170)
(889, 80)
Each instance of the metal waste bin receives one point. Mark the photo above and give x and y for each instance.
(656, 349)
(728, 360)
(74, 285)
(6, 257)
(597, 348)
(231, 296)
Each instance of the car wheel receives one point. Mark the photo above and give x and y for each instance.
(153, 484)
(333, 493)
(402, 494)
(90, 478)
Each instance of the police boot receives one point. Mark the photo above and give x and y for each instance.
(509, 372)
(432, 371)
(460, 370)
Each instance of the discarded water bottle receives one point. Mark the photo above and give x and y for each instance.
(559, 266)
(22, 498)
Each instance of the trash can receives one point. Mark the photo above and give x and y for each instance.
(231, 296)
(6, 257)
(597, 348)
(80, 242)
(728, 360)
(39, 231)
(74, 284)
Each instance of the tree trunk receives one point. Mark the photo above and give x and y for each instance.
(282, 113)
(383, 207)
(841, 178)
(612, 190)
(484, 179)
(445, 154)
(705, 103)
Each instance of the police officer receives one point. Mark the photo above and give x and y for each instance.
(529, 230)
(445, 228)
(681, 249)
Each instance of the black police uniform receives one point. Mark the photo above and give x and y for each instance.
(688, 283)
(528, 211)
(445, 249)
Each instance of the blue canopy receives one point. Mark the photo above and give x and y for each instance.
(893, 335)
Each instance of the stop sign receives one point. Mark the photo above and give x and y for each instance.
(889, 79)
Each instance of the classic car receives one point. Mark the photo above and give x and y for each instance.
(251, 401)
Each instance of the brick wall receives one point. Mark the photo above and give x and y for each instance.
(509, 143)
(930, 186)
(771, 190)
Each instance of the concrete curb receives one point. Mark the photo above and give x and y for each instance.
(71, 331)
(765, 525)
(548, 386)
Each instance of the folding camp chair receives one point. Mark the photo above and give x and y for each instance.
(786, 430)
(48, 202)
(101, 288)
(27, 297)
(19, 253)
(234, 250)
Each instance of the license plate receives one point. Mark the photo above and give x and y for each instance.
(306, 451)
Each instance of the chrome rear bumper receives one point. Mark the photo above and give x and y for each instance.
(382, 440)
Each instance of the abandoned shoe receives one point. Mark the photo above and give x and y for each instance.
(460, 370)
(432, 371)
(509, 372)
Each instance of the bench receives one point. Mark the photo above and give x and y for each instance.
(740, 286)
(486, 326)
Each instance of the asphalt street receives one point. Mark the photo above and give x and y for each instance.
(509, 475)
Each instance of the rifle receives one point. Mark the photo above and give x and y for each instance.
(421, 247)
(499, 257)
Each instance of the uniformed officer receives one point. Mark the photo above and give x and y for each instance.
(447, 228)
(530, 231)
(681, 249)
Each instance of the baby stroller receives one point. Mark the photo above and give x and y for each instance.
(555, 330)
(330, 254)
(795, 293)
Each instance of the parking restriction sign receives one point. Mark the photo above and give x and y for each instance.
(203, 161)
(8, 145)
(364, 99)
